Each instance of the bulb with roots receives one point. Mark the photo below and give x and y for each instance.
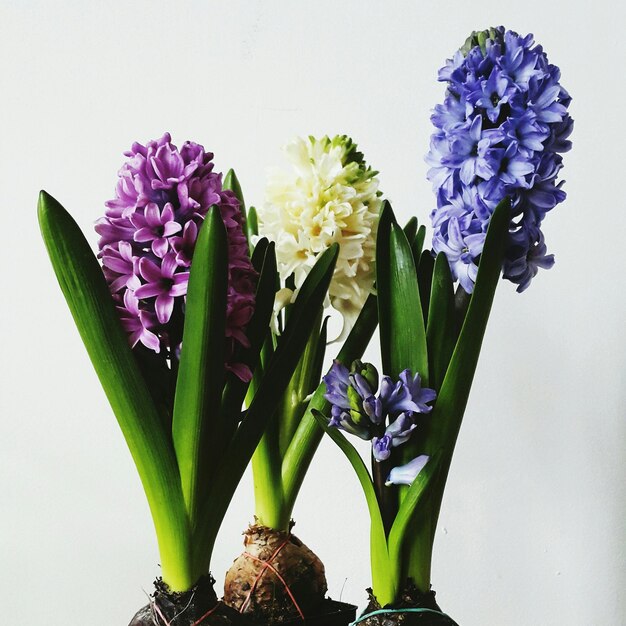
(276, 578)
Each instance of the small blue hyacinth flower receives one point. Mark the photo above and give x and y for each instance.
(397, 433)
(358, 407)
(342, 419)
(354, 406)
(421, 395)
(406, 474)
(337, 382)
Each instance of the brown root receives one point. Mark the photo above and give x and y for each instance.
(196, 607)
(277, 578)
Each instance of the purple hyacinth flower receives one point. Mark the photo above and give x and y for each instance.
(406, 474)
(147, 239)
(137, 323)
(184, 246)
(155, 226)
(120, 267)
(164, 283)
(498, 134)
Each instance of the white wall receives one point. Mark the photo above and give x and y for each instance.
(533, 525)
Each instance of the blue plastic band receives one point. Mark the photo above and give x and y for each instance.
(387, 611)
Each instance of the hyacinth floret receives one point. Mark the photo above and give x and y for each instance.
(386, 415)
(147, 239)
(329, 195)
(500, 132)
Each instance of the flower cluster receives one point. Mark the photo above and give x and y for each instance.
(147, 239)
(385, 415)
(500, 130)
(329, 196)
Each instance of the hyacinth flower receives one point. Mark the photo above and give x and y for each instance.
(174, 316)
(328, 197)
(429, 329)
(500, 132)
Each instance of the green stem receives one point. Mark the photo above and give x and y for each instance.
(268, 494)
(308, 435)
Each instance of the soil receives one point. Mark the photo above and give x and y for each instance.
(411, 598)
(197, 607)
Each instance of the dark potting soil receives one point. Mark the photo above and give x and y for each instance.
(197, 607)
(328, 613)
(396, 614)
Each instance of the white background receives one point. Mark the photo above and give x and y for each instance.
(533, 524)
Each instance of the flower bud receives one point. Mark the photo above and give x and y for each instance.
(368, 371)
(480, 38)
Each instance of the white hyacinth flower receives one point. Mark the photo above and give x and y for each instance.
(328, 196)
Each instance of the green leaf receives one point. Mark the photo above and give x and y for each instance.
(252, 225)
(282, 364)
(424, 279)
(308, 435)
(201, 370)
(450, 404)
(418, 244)
(452, 399)
(89, 300)
(410, 229)
(440, 333)
(403, 335)
(251, 228)
(384, 583)
(231, 182)
(257, 330)
(402, 531)
(293, 407)
(383, 282)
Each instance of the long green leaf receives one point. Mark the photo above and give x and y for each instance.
(231, 182)
(425, 270)
(201, 372)
(407, 511)
(399, 310)
(84, 287)
(308, 435)
(257, 330)
(384, 583)
(450, 404)
(440, 333)
(383, 283)
(418, 244)
(252, 226)
(281, 366)
(455, 389)
(258, 333)
(410, 229)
